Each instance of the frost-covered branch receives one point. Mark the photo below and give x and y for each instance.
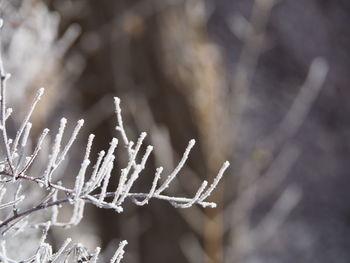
(84, 191)
(24, 167)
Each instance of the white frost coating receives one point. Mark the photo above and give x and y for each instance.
(37, 97)
(54, 214)
(90, 184)
(2, 193)
(106, 180)
(88, 146)
(73, 137)
(120, 126)
(120, 187)
(171, 177)
(195, 199)
(61, 250)
(55, 150)
(133, 153)
(44, 234)
(96, 254)
(118, 256)
(135, 175)
(102, 171)
(78, 211)
(36, 150)
(26, 134)
(215, 182)
(151, 192)
(12, 203)
(79, 181)
(145, 156)
(8, 113)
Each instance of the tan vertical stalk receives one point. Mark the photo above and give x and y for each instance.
(196, 67)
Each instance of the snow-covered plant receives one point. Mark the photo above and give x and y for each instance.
(32, 189)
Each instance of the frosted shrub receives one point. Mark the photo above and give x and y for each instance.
(32, 190)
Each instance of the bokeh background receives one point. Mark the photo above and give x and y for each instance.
(261, 83)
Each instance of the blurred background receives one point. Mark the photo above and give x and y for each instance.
(261, 83)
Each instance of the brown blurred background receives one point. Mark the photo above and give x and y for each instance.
(259, 83)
